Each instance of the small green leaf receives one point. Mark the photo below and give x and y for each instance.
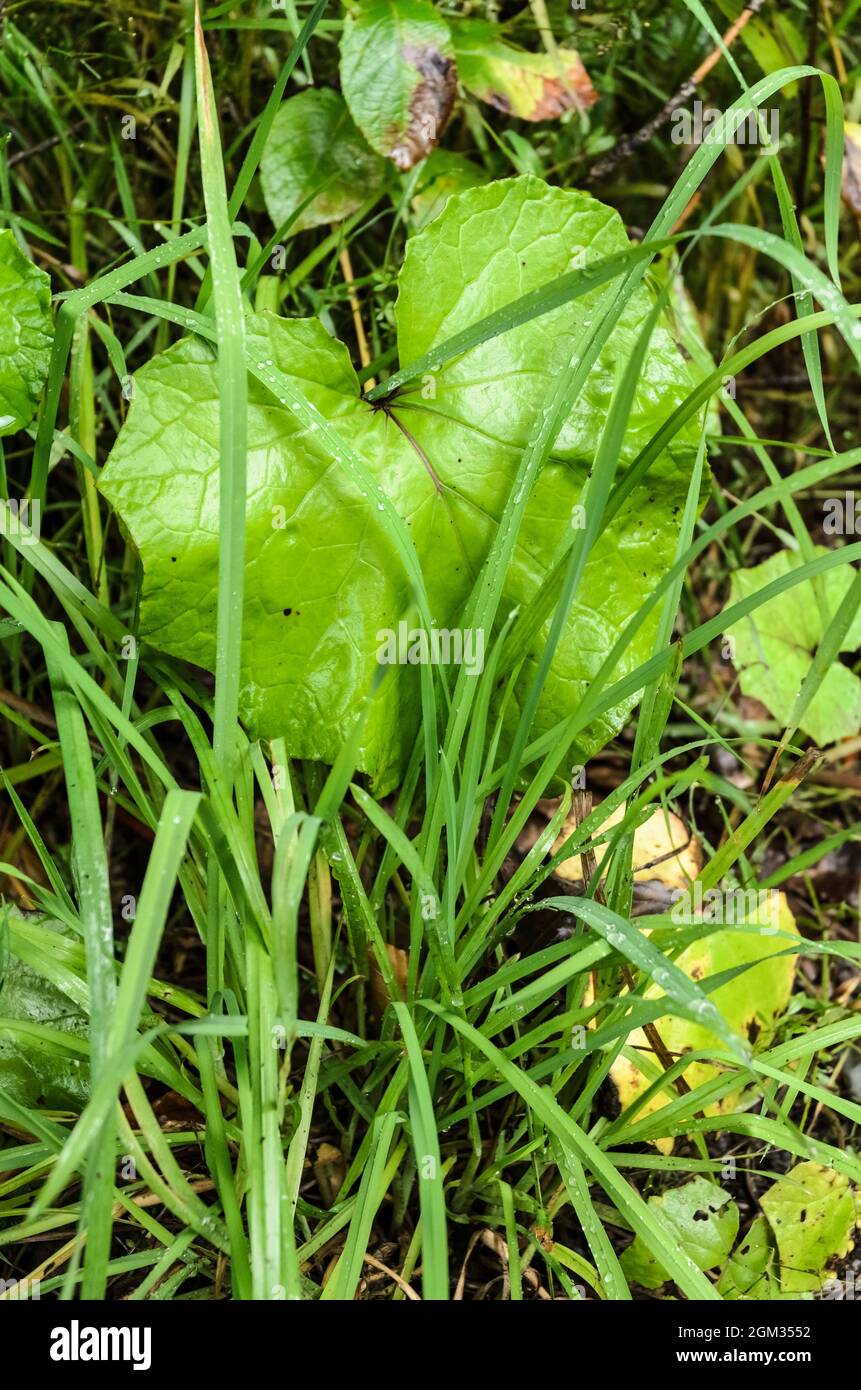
(533, 86)
(442, 174)
(775, 646)
(35, 1069)
(25, 335)
(812, 1213)
(398, 76)
(703, 1219)
(314, 145)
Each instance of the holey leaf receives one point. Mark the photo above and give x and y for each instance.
(533, 86)
(398, 76)
(703, 1219)
(25, 335)
(812, 1214)
(324, 583)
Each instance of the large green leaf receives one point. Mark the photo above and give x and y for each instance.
(25, 334)
(775, 645)
(398, 75)
(322, 576)
(35, 1069)
(703, 1219)
(315, 148)
(533, 86)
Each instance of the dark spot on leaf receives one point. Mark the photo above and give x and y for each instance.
(753, 1030)
(802, 1215)
(430, 106)
(287, 612)
(701, 1216)
(497, 99)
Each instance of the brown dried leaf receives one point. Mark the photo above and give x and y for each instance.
(380, 997)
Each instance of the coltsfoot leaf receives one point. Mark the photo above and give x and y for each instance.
(324, 583)
(750, 1003)
(703, 1219)
(35, 1069)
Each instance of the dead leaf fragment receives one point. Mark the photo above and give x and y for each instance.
(380, 997)
(330, 1169)
(664, 850)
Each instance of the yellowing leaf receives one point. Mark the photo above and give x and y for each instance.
(812, 1214)
(750, 1002)
(664, 850)
(533, 86)
(751, 1270)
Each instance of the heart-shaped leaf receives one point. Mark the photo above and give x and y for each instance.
(398, 76)
(851, 182)
(25, 335)
(325, 589)
(315, 148)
